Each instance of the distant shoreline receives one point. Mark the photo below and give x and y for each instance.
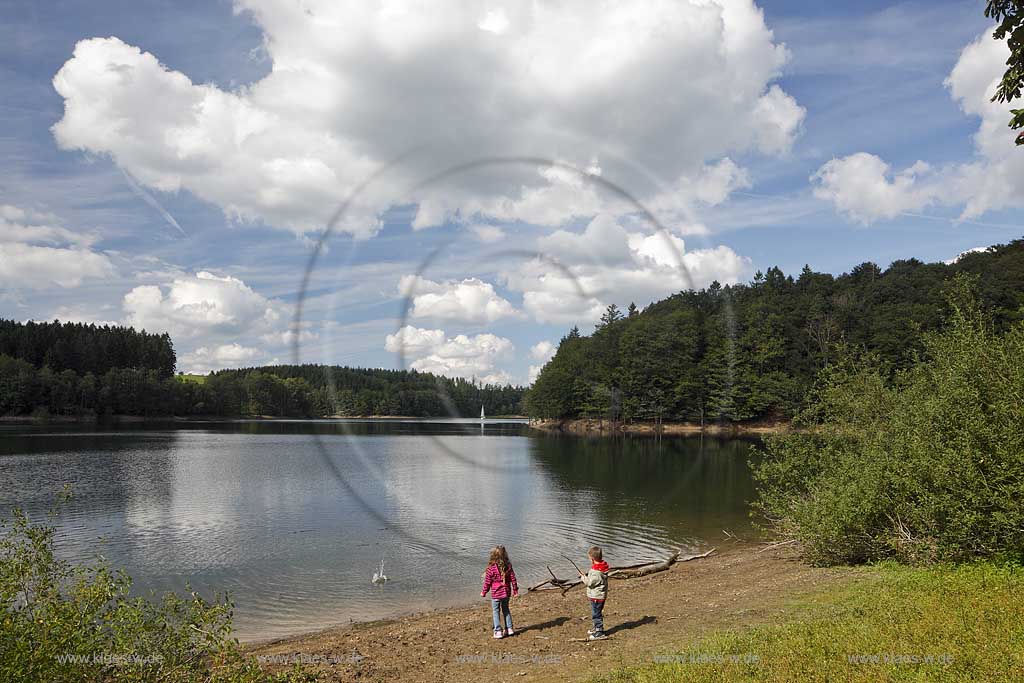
(593, 427)
(138, 419)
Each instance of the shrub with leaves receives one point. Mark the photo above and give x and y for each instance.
(65, 622)
(925, 465)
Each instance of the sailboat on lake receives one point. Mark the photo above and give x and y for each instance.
(482, 416)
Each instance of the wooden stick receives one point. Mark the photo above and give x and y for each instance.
(625, 572)
(776, 545)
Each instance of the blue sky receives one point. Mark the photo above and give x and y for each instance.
(175, 170)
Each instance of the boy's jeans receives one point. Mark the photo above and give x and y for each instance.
(597, 614)
(498, 608)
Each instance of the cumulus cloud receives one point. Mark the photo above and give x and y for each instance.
(533, 373)
(38, 253)
(207, 359)
(972, 250)
(414, 341)
(355, 85)
(203, 304)
(541, 351)
(863, 187)
(605, 264)
(459, 356)
(290, 336)
(487, 233)
(711, 186)
(470, 300)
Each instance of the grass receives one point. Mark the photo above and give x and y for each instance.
(198, 379)
(896, 623)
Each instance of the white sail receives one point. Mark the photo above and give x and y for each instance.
(482, 416)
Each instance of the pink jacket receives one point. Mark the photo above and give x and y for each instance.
(493, 582)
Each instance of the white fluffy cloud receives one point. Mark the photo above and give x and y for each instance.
(414, 342)
(661, 85)
(541, 351)
(459, 356)
(604, 264)
(487, 233)
(37, 253)
(204, 305)
(471, 300)
(863, 187)
(206, 359)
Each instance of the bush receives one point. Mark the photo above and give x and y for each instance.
(62, 622)
(927, 465)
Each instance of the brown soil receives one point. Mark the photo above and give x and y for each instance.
(606, 427)
(644, 616)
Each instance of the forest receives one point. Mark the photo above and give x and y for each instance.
(86, 371)
(750, 352)
(732, 353)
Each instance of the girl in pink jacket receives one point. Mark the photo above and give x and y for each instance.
(500, 580)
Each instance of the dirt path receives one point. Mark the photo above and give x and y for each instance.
(644, 616)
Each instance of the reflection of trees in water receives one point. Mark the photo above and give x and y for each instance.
(113, 476)
(695, 482)
(105, 471)
(364, 428)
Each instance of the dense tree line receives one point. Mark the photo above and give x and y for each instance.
(83, 348)
(332, 390)
(751, 351)
(146, 389)
(920, 465)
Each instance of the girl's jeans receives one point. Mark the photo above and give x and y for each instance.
(498, 608)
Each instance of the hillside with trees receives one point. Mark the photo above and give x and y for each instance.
(318, 390)
(746, 352)
(79, 370)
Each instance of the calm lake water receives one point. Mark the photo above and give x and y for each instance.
(293, 517)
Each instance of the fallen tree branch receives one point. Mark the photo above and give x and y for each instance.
(644, 570)
(777, 544)
(631, 571)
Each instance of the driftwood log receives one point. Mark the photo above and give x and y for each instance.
(630, 571)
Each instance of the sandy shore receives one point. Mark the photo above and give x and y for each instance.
(646, 616)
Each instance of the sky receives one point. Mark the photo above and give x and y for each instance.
(451, 186)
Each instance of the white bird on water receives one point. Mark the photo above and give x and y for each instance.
(379, 577)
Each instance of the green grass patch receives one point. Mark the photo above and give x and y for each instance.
(896, 623)
(198, 379)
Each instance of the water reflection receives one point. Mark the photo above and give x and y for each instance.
(250, 507)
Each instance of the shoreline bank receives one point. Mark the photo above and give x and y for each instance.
(593, 427)
(165, 419)
(739, 585)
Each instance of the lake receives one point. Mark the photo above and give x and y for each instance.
(293, 517)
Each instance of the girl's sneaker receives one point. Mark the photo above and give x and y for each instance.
(498, 635)
(511, 632)
(598, 636)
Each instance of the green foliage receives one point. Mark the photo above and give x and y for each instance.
(85, 348)
(923, 465)
(961, 623)
(1009, 15)
(281, 391)
(322, 390)
(752, 351)
(61, 622)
